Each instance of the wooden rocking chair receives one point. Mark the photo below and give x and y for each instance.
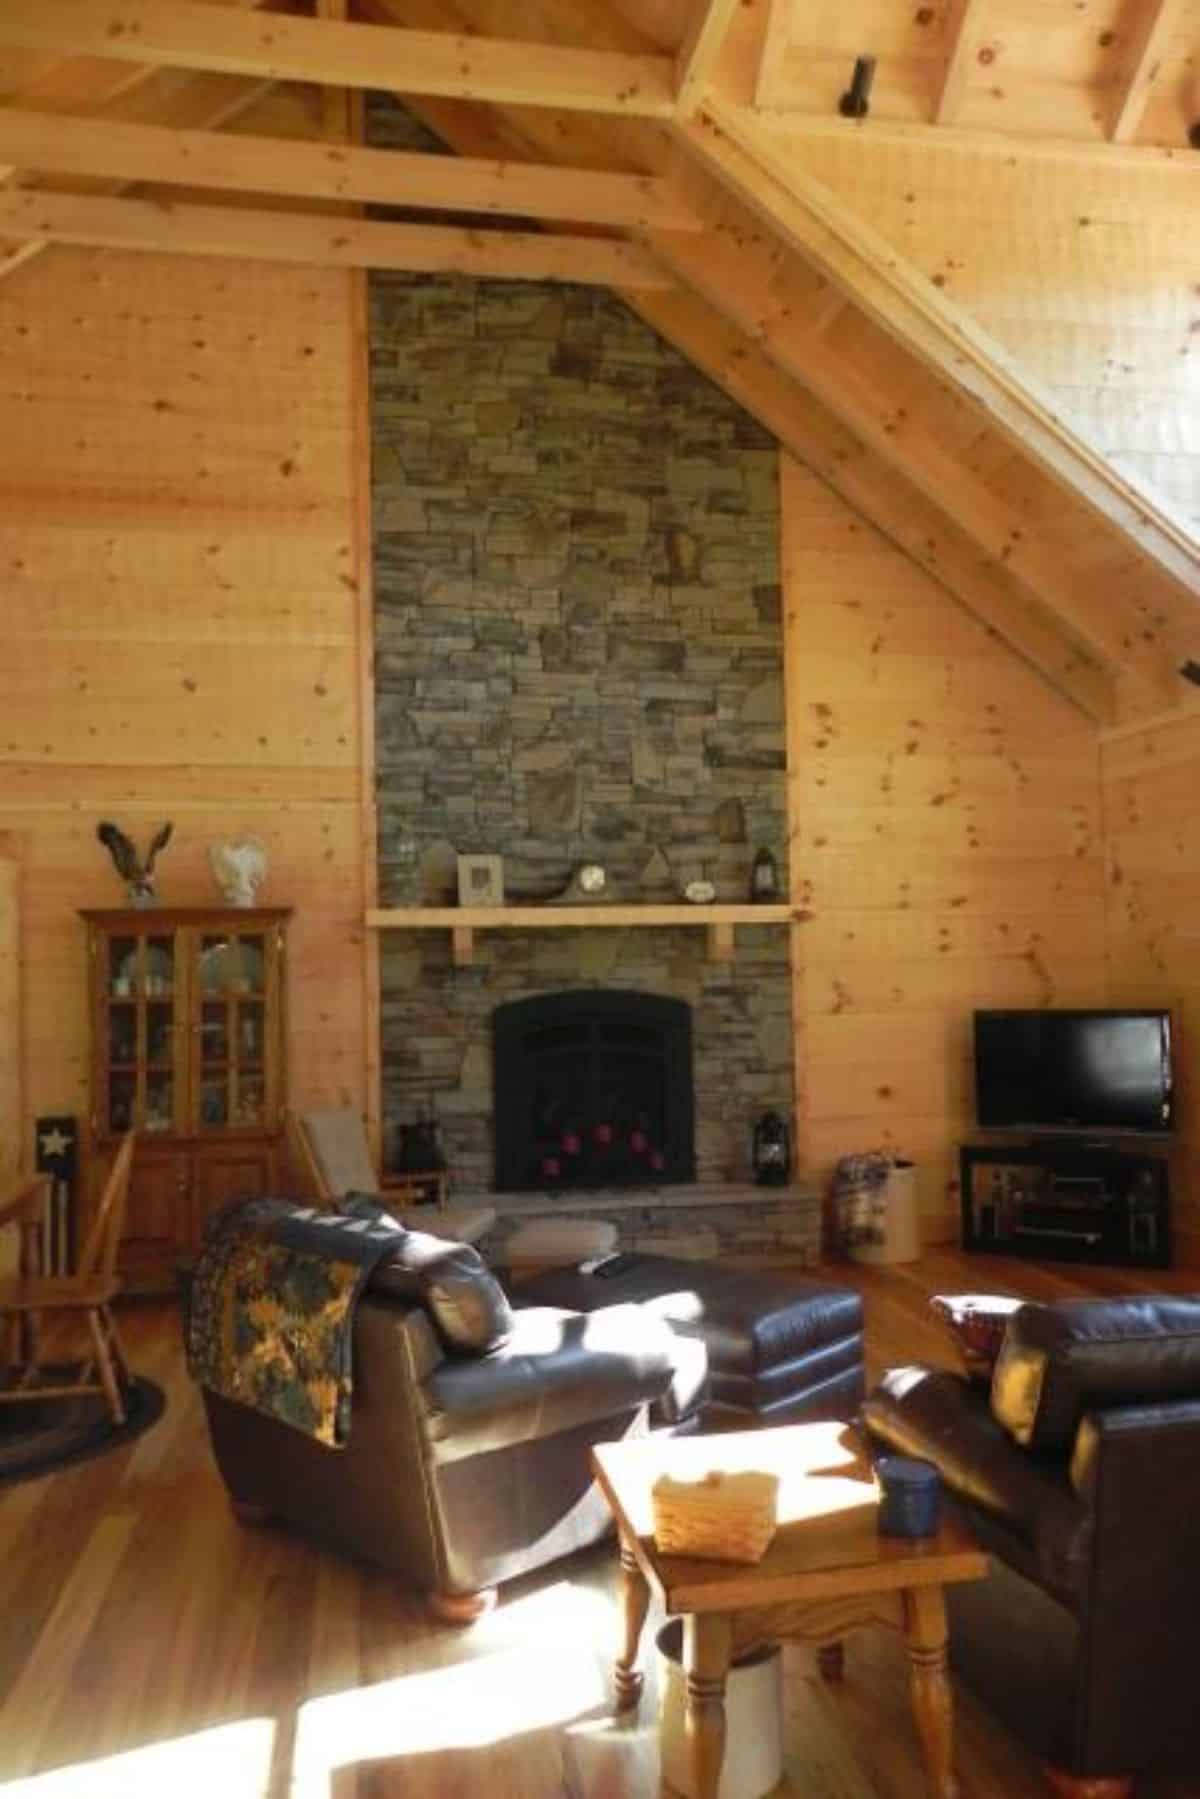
(27, 1297)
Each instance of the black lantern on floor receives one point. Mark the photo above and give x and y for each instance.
(772, 1151)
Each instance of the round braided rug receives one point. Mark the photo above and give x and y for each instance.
(37, 1436)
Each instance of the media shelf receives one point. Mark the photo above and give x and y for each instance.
(1066, 1202)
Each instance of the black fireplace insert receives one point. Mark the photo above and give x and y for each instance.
(593, 1088)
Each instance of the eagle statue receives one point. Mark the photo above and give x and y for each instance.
(137, 875)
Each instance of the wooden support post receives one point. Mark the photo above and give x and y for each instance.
(720, 943)
(464, 946)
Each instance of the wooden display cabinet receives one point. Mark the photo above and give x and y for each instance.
(188, 1049)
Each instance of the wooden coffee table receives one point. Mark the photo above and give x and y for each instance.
(827, 1571)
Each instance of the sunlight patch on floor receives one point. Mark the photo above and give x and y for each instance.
(549, 1677)
(232, 1760)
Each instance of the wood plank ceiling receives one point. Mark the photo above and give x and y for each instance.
(1102, 71)
(626, 144)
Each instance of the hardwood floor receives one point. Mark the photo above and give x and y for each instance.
(150, 1645)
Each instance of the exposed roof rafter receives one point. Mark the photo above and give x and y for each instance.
(189, 34)
(118, 151)
(322, 239)
(1153, 30)
(964, 26)
(697, 59)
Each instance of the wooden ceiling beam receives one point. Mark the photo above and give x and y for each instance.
(964, 29)
(884, 497)
(108, 87)
(85, 146)
(696, 62)
(341, 107)
(322, 240)
(212, 100)
(769, 86)
(190, 34)
(1152, 33)
(796, 130)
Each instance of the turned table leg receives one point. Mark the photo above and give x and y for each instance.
(635, 1601)
(925, 1634)
(707, 1643)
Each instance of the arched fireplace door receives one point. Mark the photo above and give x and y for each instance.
(593, 1088)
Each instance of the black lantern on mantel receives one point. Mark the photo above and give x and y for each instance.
(772, 1151)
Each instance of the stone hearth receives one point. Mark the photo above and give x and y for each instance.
(697, 1220)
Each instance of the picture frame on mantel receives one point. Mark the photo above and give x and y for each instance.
(481, 880)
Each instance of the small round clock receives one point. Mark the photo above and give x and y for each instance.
(591, 877)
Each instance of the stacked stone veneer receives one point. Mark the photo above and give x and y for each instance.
(578, 657)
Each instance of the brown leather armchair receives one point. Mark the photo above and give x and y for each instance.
(1086, 1637)
(460, 1471)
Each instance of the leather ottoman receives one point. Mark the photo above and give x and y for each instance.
(782, 1349)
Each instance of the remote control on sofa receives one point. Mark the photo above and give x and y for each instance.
(604, 1266)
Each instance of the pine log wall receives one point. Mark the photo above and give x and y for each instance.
(1151, 780)
(1083, 270)
(183, 636)
(181, 623)
(945, 845)
(10, 1036)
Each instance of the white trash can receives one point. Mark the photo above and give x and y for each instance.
(896, 1232)
(753, 1762)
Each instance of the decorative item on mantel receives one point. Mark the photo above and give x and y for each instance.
(764, 878)
(238, 868)
(138, 875)
(772, 1151)
(481, 880)
(588, 886)
(700, 893)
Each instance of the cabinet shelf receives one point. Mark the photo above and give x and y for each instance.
(720, 921)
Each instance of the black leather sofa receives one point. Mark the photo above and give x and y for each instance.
(462, 1470)
(1086, 1638)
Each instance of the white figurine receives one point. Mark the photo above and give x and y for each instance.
(239, 868)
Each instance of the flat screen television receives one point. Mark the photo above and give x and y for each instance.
(1100, 1072)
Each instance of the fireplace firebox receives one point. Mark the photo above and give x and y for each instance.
(593, 1088)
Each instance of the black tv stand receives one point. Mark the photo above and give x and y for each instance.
(1067, 1199)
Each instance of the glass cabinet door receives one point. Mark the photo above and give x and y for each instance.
(234, 1003)
(187, 1012)
(137, 1044)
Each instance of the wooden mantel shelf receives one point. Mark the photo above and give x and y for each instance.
(463, 921)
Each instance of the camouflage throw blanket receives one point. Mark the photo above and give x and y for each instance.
(271, 1311)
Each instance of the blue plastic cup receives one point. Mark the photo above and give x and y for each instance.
(912, 1496)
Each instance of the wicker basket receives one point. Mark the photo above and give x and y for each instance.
(724, 1517)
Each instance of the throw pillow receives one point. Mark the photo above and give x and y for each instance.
(1079, 1355)
(977, 1322)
